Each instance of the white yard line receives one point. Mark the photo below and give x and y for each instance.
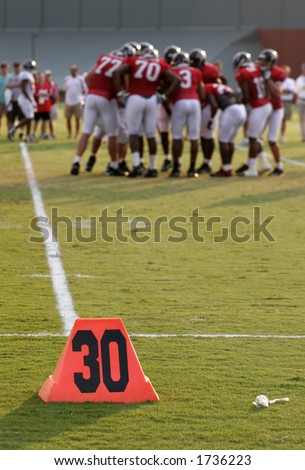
(285, 159)
(81, 276)
(293, 162)
(64, 300)
(152, 336)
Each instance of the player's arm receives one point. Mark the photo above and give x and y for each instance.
(201, 92)
(173, 81)
(118, 75)
(89, 75)
(273, 88)
(211, 100)
(23, 86)
(244, 88)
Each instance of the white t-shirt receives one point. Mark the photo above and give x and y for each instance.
(30, 86)
(300, 87)
(288, 85)
(75, 88)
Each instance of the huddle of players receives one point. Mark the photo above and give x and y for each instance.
(133, 92)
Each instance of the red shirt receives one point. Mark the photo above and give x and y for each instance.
(42, 96)
(210, 73)
(145, 75)
(278, 75)
(101, 83)
(252, 75)
(190, 79)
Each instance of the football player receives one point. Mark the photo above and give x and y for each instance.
(186, 111)
(274, 77)
(232, 118)
(210, 74)
(253, 92)
(100, 105)
(164, 112)
(145, 74)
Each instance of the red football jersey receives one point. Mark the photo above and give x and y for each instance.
(278, 75)
(145, 75)
(210, 73)
(224, 95)
(42, 96)
(101, 83)
(252, 75)
(190, 79)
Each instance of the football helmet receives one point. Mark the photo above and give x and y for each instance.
(144, 46)
(269, 56)
(241, 58)
(136, 45)
(127, 50)
(30, 65)
(181, 58)
(151, 53)
(198, 58)
(169, 52)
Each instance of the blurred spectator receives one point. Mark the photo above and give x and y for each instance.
(75, 88)
(3, 77)
(219, 64)
(288, 98)
(26, 100)
(54, 100)
(300, 92)
(42, 96)
(13, 110)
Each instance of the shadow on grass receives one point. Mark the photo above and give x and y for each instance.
(254, 199)
(42, 421)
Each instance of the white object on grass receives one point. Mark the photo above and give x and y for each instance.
(261, 401)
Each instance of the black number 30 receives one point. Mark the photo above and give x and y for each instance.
(91, 360)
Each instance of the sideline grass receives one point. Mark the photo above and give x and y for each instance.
(206, 386)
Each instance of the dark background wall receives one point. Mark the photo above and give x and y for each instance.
(58, 33)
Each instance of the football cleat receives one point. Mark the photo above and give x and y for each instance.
(123, 167)
(151, 173)
(136, 171)
(91, 163)
(277, 172)
(204, 169)
(75, 168)
(191, 173)
(175, 173)
(167, 164)
(222, 173)
(242, 168)
(250, 173)
(11, 133)
(264, 168)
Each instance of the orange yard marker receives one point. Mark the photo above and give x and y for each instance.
(98, 363)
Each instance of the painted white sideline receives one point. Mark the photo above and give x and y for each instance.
(64, 300)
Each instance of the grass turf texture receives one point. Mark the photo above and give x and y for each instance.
(206, 385)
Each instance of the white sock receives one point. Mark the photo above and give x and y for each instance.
(252, 162)
(168, 157)
(136, 158)
(77, 159)
(153, 162)
(114, 165)
(279, 165)
(226, 167)
(263, 158)
(208, 162)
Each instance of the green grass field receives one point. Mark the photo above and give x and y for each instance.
(206, 385)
